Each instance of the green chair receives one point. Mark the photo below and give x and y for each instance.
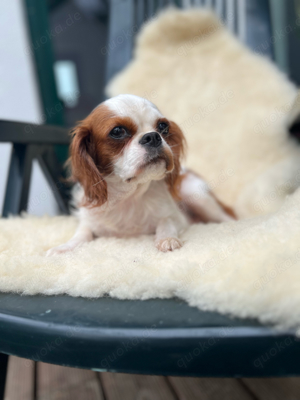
(164, 337)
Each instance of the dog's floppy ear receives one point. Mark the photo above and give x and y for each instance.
(177, 142)
(83, 159)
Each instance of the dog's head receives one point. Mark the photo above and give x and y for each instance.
(125, 137)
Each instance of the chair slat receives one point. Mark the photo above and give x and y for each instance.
(126, 14)
(150, 8)
(230, 15)
(119, 47)
(140, 12)
(197, 3)
(208, 3)
(219, 8)
(241, 15)
(186, 3)
(160, 4)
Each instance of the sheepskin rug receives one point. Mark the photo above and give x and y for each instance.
(192, 68)
(248, 268)
(234, 107)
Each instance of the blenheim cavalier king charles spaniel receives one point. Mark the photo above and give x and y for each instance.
(125, 157)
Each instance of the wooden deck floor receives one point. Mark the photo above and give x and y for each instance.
(27, 380)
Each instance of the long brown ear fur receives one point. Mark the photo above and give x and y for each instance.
(177, 142)
(83, 156)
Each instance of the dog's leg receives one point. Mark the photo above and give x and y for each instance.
(82, 235)
(200, 203)
(167, 236)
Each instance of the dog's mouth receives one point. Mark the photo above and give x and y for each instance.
(156, 159)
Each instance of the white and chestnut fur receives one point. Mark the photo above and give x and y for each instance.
(126, 158)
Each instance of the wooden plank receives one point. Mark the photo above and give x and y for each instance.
(274, 388)
(20, 379)
(139, 387)
(209, 389)
(63, 383)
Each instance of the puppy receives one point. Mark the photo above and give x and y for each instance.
(126, 159)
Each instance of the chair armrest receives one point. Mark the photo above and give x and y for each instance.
(26, 133)
(31, 141)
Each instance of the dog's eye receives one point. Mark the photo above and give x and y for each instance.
(163, 127)
(118, 132)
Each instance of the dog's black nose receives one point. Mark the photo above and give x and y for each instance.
(151, 139)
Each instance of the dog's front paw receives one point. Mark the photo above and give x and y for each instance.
(63, 248)
(168, 244)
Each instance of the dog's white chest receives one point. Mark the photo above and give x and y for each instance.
(132, 213)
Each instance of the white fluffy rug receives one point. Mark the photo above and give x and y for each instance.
(234, 107)
(249, 268)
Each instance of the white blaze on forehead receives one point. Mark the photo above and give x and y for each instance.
(143, 113)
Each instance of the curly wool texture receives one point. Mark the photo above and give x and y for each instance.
(247, 268)
(234, 107)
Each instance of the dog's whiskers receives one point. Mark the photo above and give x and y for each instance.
(95, 184)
